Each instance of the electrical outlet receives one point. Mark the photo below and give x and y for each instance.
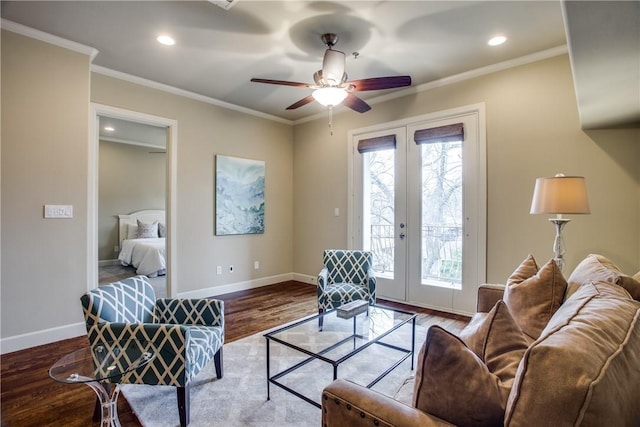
(116, 248)
(256, 265)
(219, 270)
(231, 269)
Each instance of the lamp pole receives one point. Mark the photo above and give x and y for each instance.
(558, 243)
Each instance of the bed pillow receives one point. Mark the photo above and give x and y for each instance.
(162, 230)
(453, 384)
(533, 300)
(147, 231)
(132, 231)
(597, 268)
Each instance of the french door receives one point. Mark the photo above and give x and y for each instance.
(419, 205)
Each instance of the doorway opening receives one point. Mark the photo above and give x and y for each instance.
(131, 177)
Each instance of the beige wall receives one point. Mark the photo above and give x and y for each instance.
(45, 95)
(205, 130)
(130, 179)
(532, 131)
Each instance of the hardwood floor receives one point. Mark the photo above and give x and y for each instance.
(30, 398)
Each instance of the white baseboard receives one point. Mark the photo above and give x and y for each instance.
(311, 280)
(239, 286)
(108, 262)
(46, 336)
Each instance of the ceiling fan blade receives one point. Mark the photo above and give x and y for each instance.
(280, 82)
(303, 101)
(356, 104)
(377, 83)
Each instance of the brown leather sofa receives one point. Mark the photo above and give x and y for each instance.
(581, 368)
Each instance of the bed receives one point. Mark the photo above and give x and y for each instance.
(147, 252)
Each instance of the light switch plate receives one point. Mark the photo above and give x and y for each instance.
(58, 211)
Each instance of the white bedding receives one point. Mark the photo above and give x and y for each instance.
(147, 256)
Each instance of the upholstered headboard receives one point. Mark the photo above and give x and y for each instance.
(147, 216)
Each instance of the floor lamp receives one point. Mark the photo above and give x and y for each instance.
(560, 195)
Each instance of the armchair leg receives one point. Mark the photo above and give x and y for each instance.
(183, 405)
(320, 318)
(217, 360)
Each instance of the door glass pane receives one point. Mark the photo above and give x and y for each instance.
(379, 209)
(442, 214)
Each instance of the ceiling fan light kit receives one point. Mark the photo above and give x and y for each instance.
(329, 96)
(330, 83)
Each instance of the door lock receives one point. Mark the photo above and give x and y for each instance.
(402, 235)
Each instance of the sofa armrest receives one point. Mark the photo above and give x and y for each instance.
(345, 404)
(488, 296)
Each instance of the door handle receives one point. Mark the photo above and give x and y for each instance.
(402, 236)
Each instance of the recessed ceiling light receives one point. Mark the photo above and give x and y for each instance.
(166, 40)
(109, 128)
(497, 40)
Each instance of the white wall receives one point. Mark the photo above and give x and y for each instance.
(532, 131)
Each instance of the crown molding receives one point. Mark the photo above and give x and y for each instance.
(457, 78)
(14, 27)
(185, 93)
(92, 52)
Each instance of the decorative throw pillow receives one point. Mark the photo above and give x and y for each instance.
(146, 231)
(597, 268)
(452, 383)
(498, 341)
(527, 268)
(533, 300)
(132, 231)
(162, 230)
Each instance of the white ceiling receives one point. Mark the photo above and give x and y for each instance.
(218, 51)
(133, 133)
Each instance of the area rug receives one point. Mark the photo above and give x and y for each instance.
(240, 397)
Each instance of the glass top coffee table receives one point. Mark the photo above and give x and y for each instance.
(98, 366)
(339, 341)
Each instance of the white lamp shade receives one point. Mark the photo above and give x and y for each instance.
(330, 95)
(560, 195)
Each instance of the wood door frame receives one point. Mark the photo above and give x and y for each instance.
(97, 110)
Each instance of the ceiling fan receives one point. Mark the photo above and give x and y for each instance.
(331, 85)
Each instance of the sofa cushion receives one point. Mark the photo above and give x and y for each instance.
(597, 268)
(533, 300)
(452, 383)
(583, 370)
(498, 341)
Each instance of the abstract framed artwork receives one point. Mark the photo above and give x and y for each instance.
(239, 196)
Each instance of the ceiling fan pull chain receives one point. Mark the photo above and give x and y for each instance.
(331, 119)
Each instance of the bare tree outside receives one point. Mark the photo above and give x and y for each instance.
(442, 213)
(441, 238)
(381, 207)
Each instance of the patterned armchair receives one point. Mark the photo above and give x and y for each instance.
(347, 276)
(186, 333)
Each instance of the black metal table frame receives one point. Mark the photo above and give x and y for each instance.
(335, 363)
